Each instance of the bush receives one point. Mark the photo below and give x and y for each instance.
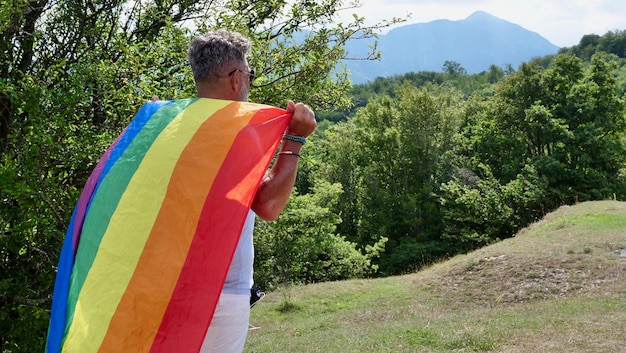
(303, 247)
(410, 255)
(478, 210)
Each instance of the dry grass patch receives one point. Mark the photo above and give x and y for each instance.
(572, 251)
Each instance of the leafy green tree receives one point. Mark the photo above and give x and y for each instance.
(495, 73)
(566, 121)
(478, 210)
(73, 73)
(386, 157)
(547, 137)
(453, 68)
(596, 149)
(302, 246)
(586, 47)
(612, 42)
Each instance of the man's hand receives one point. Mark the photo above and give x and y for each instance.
(303, 121)
(275, 188)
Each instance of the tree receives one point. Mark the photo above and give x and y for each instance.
(596, 149)
(613, 42)
(73, 73)
(478, 210)
(566, 121)
(387, 158)
(302, 246)
(495, 73)
(453, 68)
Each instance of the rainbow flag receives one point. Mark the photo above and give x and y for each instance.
(153, 233)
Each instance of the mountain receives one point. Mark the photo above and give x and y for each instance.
(475, 42)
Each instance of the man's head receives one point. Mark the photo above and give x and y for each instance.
(219, 65)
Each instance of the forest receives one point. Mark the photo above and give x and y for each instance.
(402, 172)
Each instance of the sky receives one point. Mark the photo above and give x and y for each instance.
(562, 22)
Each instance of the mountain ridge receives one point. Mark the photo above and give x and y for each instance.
(476, 42)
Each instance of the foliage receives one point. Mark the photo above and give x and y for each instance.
(72, 74)
(302, 246)
(548, 134)
(566, 121)
(612, 42)
(478, 210)
(453, 75)
(387, 157)
(411, 254)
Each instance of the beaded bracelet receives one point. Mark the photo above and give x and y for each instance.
(300, 139)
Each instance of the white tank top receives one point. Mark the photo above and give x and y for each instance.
(239, 278)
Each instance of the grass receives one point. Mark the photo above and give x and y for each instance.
(558, 286)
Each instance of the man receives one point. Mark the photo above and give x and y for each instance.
(221, 71)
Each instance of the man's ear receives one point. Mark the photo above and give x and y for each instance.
(234, 83)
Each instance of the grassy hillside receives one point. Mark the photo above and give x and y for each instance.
(558, 286)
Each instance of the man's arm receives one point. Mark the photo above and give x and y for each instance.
(276, 186)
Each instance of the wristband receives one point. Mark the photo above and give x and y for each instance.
(289, 153)
(300, 139)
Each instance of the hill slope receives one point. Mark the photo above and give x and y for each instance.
(476, 42)
(558, 286)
